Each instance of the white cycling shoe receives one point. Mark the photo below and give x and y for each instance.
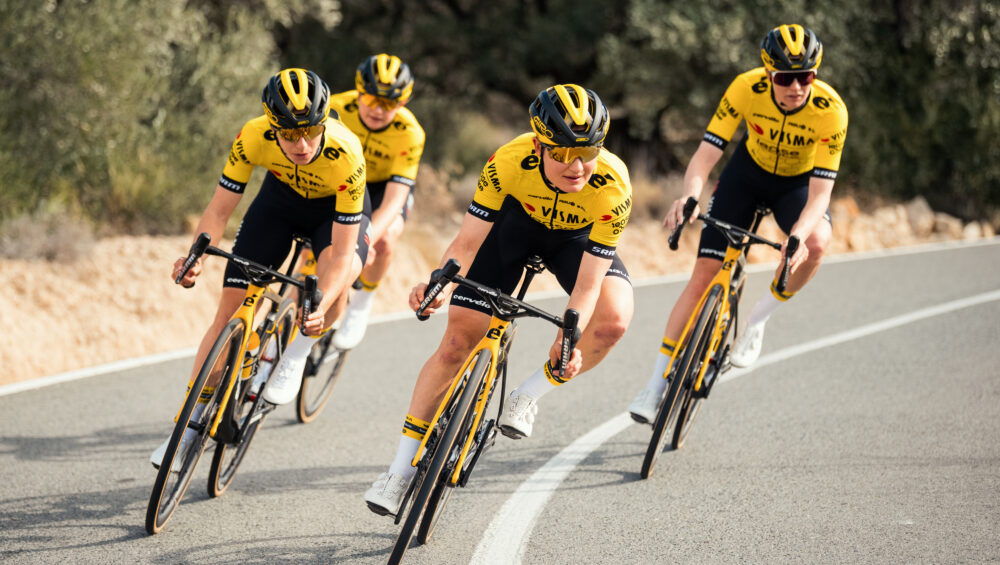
(187, 440)
(355, 322)
(386, 495)
(284, 385)
(643, 408)
(747, 348)
(518, 416)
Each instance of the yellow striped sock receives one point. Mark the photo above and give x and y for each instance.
(415, 428)
(668, 346)
(550, 375)
(206, 394)
(782, 296)
(369, 286)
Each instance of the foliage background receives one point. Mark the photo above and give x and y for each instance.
(118, 114)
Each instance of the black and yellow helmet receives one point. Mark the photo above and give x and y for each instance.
(296, 98)
(569, 115)
(791, 48)
(386, 76)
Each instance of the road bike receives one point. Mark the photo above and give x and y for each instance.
(234, 409)
(702, 352)
(461, 430)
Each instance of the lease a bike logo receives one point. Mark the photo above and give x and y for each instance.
(494, 333)
(332, 153)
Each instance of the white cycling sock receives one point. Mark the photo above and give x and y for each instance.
(763, 309)
(300, 347)
(403, 463)
(362, 299)
(537, 385)
(656, 382)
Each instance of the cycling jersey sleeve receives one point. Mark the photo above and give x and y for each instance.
(239, 165)
(611, 206)
(728, 114)
(351, 192)
(831, 144)
(489, 195)
(405, 165)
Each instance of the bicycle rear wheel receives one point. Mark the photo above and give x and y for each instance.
(669, 406)
(221, 365)
(247, 409)
(444, 488)
(690, 403)
(322, 370)
(449, 424)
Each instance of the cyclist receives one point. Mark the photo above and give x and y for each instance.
(393, 142)
(554, 192)
(315, 185)
(787, 161)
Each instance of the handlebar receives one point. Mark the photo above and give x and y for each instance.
(259, 274)
(689, 207)
(790, 248)
(735, 236)
(504, 305)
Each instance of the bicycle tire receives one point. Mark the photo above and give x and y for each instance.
(669, 403)
(439, 497)
(321, 373)
(222, 359)
(690, 402)
(228, 456)
(459, 404)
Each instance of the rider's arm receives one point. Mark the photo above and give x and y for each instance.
(816, 206)
(583, 299)
(393, 201)
(695, 178)
(463, 248)
(213, 221)
(587, 289)
(335, 272)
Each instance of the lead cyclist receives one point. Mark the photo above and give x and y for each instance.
(787, 161)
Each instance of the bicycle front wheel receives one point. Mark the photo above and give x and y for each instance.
(690, 402)
(681, 374)
(221, 365)
(246, 408)
(450, 423)
(322, 370)
(444, 488)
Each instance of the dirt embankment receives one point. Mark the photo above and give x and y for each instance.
(118, 302)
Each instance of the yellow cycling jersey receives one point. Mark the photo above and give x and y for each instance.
(391, 153)
(810, 139)
(338, 169)
(515, 171)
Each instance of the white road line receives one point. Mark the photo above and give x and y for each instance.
(506, 538)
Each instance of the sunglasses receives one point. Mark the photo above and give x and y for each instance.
(567, 155)
(295, 134)
(372, 101)
(786, 78)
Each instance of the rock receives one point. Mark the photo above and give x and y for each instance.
(948, 226)
(921, 217)
(972, 231)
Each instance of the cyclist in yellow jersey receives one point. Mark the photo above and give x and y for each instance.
(315, 186)
(393, 142)
(788, 161)
(556, 193)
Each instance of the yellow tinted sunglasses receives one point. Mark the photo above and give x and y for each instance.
(295, 134)
(567, 155)
(372, 101)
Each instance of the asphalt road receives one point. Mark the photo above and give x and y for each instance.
(881, 445)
